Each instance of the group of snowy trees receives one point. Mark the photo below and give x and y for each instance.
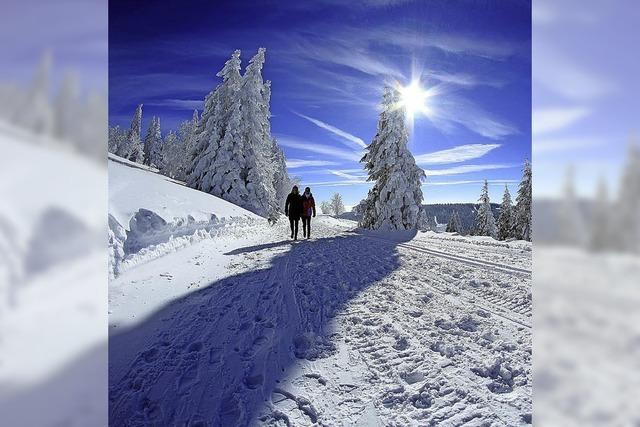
(335, 205)
(395, 199)
(228, 152)
(69, 118)
(234, 155)
(513, 221)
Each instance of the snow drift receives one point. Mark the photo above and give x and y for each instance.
(151, 215)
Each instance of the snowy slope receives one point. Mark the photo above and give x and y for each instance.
(133, 186)
(151, 215)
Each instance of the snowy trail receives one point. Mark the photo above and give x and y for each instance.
(333, 331)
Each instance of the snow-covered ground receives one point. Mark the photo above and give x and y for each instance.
(348, 328)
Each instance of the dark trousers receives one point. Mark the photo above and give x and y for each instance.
(306, 226)
(294, 226)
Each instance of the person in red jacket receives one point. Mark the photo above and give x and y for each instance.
(308, 209)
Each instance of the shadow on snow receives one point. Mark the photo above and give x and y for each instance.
(213, 357)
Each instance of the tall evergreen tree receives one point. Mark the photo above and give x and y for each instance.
(485, 224)
(212, 126)
(454, 225)
(153, 143)
(132, 149)
(505, 220)
(522, 221)
(394, 201)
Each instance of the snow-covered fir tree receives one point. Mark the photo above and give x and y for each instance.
(426, 222)
(337, 205)
(153, 144)
(485, 223)
(394, 201)
(171, 155)
(522, 221)
(454, 225)
(628, 203)
(176, 149)
(117, 137)
(505, 219)
(132, 147)
(600, 234)
(218, 106)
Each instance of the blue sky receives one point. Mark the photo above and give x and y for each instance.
(328, 61)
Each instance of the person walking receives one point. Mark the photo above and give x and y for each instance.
(308, 209)
(293, 209)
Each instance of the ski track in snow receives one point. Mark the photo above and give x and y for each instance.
(341, 330)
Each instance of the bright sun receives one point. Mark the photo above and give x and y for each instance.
(414, 99)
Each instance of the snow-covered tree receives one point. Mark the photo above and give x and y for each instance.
(425, 221)
(132, 147)
(176, 149)
(337, 205)
(600, 237)
(505, 220)
(218, 106)
(628, 203)
(454, 225)
(485, 223)
(522, 220)
(172, 154)
(117, 138)
(394, 201)
(571, 224)
(153, 144)
(325, 207)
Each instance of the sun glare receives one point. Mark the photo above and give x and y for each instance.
(414, 99)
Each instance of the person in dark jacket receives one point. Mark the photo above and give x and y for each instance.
(308, 209)
(293, 209)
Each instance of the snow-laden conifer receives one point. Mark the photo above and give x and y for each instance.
(153, 144)
(454, 225)
(394, 201)
(522, 220)
(485, 224)
(505, 219)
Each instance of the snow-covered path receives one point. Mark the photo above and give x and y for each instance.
(345, 329)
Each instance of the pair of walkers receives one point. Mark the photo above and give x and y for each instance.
(300, 206)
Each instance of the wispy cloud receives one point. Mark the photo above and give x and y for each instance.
(477, 181)
(450, 111)
(178, 104)
(303, 163)
(460, 79)
(348, 174)
(547, 120)
(458, 154)
(458, 170)
(344, 183)
(344, 136)
(328, 150)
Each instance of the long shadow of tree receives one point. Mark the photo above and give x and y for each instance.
(213, 357)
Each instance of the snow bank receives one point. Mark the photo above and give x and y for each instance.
(151, 215)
